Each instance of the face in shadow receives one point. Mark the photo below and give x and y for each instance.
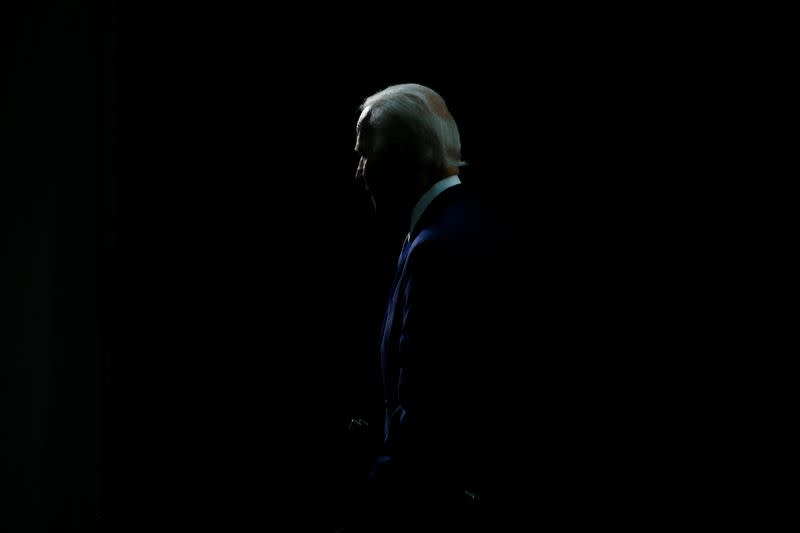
(386, 174)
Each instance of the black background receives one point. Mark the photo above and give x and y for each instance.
(196, 282)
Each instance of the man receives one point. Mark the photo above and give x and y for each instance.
(449, 389)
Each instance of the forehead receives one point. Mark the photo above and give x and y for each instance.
(362, 127)
(363, 121)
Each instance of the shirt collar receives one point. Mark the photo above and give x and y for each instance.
(436, 189)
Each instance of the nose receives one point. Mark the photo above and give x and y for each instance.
(360, 169)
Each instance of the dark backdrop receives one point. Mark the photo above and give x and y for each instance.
(215, 145)
(58, 263)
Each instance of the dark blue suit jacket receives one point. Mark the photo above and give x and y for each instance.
(446, 345)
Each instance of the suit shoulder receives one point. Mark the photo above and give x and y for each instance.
(461, 219)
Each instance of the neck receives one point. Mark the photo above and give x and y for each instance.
(436, 188)
(427, 180)
(423, 182)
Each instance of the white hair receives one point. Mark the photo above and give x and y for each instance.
(414, 120)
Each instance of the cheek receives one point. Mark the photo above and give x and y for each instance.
(372, 177)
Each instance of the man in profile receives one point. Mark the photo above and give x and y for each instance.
(451, 430)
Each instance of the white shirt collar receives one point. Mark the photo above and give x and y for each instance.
(436, 189)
